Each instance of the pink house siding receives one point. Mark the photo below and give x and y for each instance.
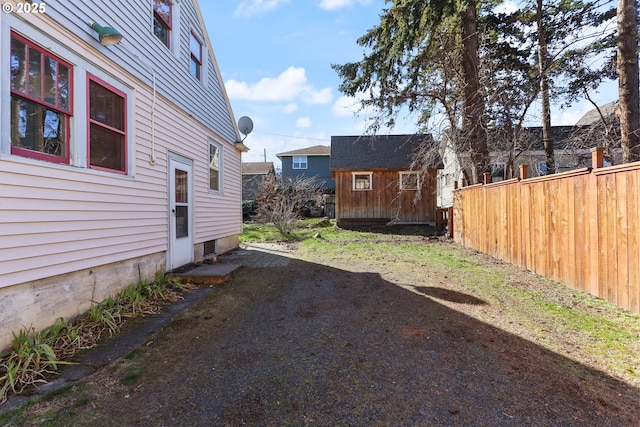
(70, 234)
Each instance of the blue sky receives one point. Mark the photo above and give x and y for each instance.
(275, 58)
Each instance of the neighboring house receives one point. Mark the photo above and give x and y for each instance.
(117, 161)
(308, 162)
(375, 183)
(572, 146)
(253, 174)
(609, 111)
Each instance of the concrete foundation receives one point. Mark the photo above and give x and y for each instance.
(38, 304)
(224, 245)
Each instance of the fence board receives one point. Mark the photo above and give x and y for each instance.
(581, 228)
(622, 291)
(633, 209)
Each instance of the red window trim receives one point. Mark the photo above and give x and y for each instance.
(124, 132)
(196, 59)
(163, 22)
(36, 154)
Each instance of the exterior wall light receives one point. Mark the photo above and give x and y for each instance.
(107, 35)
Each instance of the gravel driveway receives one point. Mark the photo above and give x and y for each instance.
(307, 344)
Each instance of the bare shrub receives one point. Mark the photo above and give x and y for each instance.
(282, 202)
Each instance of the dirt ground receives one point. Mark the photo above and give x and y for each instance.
(328, 343)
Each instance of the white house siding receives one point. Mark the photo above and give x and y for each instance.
(448, 175)
(70, 235)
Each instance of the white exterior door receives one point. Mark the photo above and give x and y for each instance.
(180, 213)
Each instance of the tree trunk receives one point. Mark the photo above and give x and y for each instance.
(628, 84)
(473, 109)
(544, 91)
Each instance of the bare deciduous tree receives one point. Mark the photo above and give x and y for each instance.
(281, 203)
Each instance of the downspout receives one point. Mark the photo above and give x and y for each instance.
(152, 156)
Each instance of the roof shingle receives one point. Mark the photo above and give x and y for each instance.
(257, 168)
(316, 150)
(375, 151)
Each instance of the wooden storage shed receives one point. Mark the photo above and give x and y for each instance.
(375, 181)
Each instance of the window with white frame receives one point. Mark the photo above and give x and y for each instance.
(214, 166)
(299, 162)
(41, 108)
(409, 180)
(362, 180)
(196, 57)
(162, 21)
(107, 124)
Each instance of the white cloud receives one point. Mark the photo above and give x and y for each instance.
(290, 108)
(251, 7)
(291, 84)
(303, 122)
(346, 106)
(338, 4)
(322, 96)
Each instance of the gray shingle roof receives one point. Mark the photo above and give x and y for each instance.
(593, 116)
(257, 168)
(316, 150)
(375, 151)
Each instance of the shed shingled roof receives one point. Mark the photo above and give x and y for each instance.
(375, 151)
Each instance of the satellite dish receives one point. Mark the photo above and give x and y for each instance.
(245, 125)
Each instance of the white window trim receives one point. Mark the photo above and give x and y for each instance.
(293, 162)
(353, 181)
(402, 174)
(219, 147)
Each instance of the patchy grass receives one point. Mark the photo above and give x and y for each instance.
(565, 320)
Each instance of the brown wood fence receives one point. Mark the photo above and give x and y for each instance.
(580, 228)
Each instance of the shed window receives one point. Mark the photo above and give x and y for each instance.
(40, 102)
(162, 21)
(196, 57)
(362, 180)
(107, 127)
(408, 180)
(299, 162)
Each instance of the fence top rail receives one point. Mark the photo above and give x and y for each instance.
(618, 168)
(504, 182)
(568, 174)
(469, 187)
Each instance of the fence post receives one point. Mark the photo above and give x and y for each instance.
(450, 222)
(597, 157)
(524, 171)
(486, 177)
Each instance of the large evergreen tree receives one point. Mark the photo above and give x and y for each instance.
(409, 64)
(628, 83)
